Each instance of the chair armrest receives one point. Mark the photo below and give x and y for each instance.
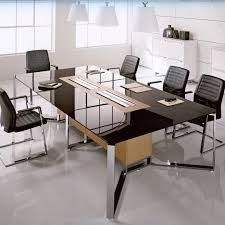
(154, 82)
(56, 67)
(20, 97)
(27, 70)
(31, 109)
(188, 92)
(113, 68)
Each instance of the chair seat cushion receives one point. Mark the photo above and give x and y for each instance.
(201, 120)
(28, 120)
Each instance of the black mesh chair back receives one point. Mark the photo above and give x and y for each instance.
(37, 61)
(8, 113)
(176, 80)
(130, 66)
(210, 92)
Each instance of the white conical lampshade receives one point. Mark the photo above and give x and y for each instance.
(77, 13)
(145, 20)
(107, 17)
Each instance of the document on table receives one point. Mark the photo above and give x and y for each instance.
(136, 87)
(131, 85)
(140, 89)
(176, 102)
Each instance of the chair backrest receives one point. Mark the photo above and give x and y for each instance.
(37, 61)
(176, 80)
(130, 66)
(8, 113)
(210, 92)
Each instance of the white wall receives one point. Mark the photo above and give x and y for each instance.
(65, 55)
(204, 19)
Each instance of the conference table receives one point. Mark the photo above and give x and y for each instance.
(117, 113)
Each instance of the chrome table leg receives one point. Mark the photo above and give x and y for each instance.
(14, 91)
(110, 182)
(214, 141)
(67, 132)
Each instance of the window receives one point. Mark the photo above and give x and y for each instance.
(26, 25)
(90, 35)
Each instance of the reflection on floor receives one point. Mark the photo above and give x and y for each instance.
(69, 187)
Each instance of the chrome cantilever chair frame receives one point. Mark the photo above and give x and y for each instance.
(193, 166)
(43, 64)
(31, 91)
(29, 157)
(216, 104)
(219, 144)
(175, 83)
(184, 126)
(31, 134)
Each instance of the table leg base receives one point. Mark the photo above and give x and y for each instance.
(121, 182)
(183, 165)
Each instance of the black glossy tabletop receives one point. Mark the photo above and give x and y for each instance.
(111, 124)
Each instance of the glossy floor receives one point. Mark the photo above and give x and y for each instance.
(69, 188)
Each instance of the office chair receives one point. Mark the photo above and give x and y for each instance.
(129, 67)
(26, 119)
(175, 83)
(209, 92)
(37, 61)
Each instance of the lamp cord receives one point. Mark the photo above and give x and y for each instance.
(145, 4)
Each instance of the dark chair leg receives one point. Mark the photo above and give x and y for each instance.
(31, 97)
(203, 138)
(174, 132)
(148, 161)
(31, 134)
(58, 117)
(165, 131)
(43, 131)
